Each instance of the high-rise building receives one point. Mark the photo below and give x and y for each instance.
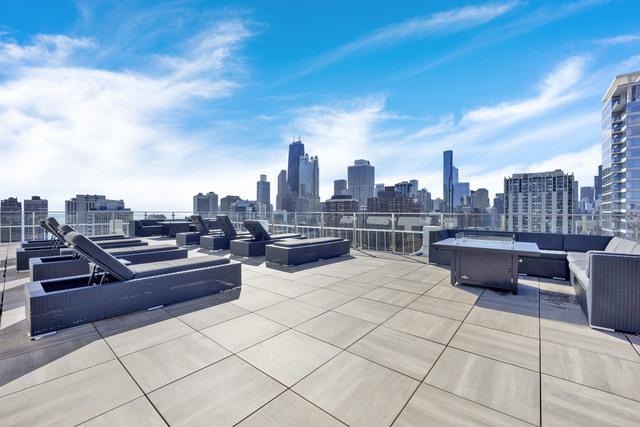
(448, 180)
(283, 192)
(205, 205)
(227, 201)
(423, 198)
(10, 220)
(597, 185)
(95, 214)
(414, 188)
(586, 193)
(308, 199)
(620, 200)
(339, 187)
(361, 177)
(480, 199)
(296, 150)
(408, 188)
(391, 200)
(379, 188)
(461, 194)
(498, 203)
(263, 192)
(539, 202)
(337, 205)
(35, 210)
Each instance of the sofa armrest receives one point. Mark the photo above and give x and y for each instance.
(615, 284)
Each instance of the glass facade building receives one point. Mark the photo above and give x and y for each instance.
(620, 198)
(361, 179)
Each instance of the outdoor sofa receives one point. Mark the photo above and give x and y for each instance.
(113, 288)
(607, 284)
(144, 228)
(301, 251)
(260, 239)
(223, 238)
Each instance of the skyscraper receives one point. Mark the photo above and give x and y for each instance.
(379, 188)
(597, 186)
(308, 199)
(296, 150)
(480, 199)
(408, 188)
(424, 200)
(447, 180)
(205, 204)
(95, 214)
(339, 187)
(620, 200)
(10, 220)
(227, 201)
(361, 176)
(263, 192)
(391, 200)
(539, 202)
(35, 209)
(282, 196)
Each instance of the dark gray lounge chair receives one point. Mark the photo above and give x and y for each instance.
(119, 289)
(193, 237)
(301, 251)
(256, 245)
(223, 238)
(52, 222)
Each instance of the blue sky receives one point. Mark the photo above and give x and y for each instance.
(153, 102)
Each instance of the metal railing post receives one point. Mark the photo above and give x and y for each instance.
(393, 233)
(295, 221)
(353, 243)
(321, 224)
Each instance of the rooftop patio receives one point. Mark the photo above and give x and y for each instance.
(366, 340)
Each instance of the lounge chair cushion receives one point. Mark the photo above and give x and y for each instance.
(201, 226)
(257, 230)
(294, 243)
(141, 249)
(174, 266)
(99, 256)
(226, 226)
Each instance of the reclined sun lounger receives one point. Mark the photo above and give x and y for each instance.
(118, 289)
(57, 247)
(193, 237)
(301, 251)
(256, 245)
(54, 223)
(222, 239)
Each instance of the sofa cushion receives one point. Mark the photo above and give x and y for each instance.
(550, 254)
(580, 275)
(293, 243)
(579, 243)
(550, 241)
(621, 246)
(173, 266)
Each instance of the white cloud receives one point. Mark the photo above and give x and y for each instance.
(65, 128)
(617, 40)
(583, 164)
(446, 22)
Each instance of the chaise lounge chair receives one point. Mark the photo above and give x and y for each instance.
(119, 289)
(193, 237)
(222, 239)
(256, 245)
(55, 224)
(301, 251)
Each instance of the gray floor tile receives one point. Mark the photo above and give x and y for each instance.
(500, 386)
(441, 307)
(459, 293)
(71, 399)
(337, 329)
(356, 391)
(428, 274)
(424, 325)
(319, 280)
(606, 373)
(391, 296)
(497, 317)
(441, 408)
(161, 364)
(566, 404)
(401, 352)
(132, 332)
(372, 278)
(515, 349)
(289, 356)
(208, 316)
(325, 298)
(253, 299)
(224, 393)
(291, 312)
(242, 332)
(290, 410)
(135, 413)
(352, 288)
(368, 310)
(403, 284)
(284, 287)
(48, 363)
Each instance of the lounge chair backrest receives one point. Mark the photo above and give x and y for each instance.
(54, 228)
(201, 226)
(99, 256)
(53, 222)
(66, 229)
(257, 230)
(226, 226)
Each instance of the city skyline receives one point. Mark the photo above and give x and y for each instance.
(175, 98)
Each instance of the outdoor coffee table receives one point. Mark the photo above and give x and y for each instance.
(488, 262)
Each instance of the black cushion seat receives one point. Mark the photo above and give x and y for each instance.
(141, 249)
(175, 266)
(295, 243)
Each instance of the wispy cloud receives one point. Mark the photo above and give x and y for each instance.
(617, 40)
(440, 23)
